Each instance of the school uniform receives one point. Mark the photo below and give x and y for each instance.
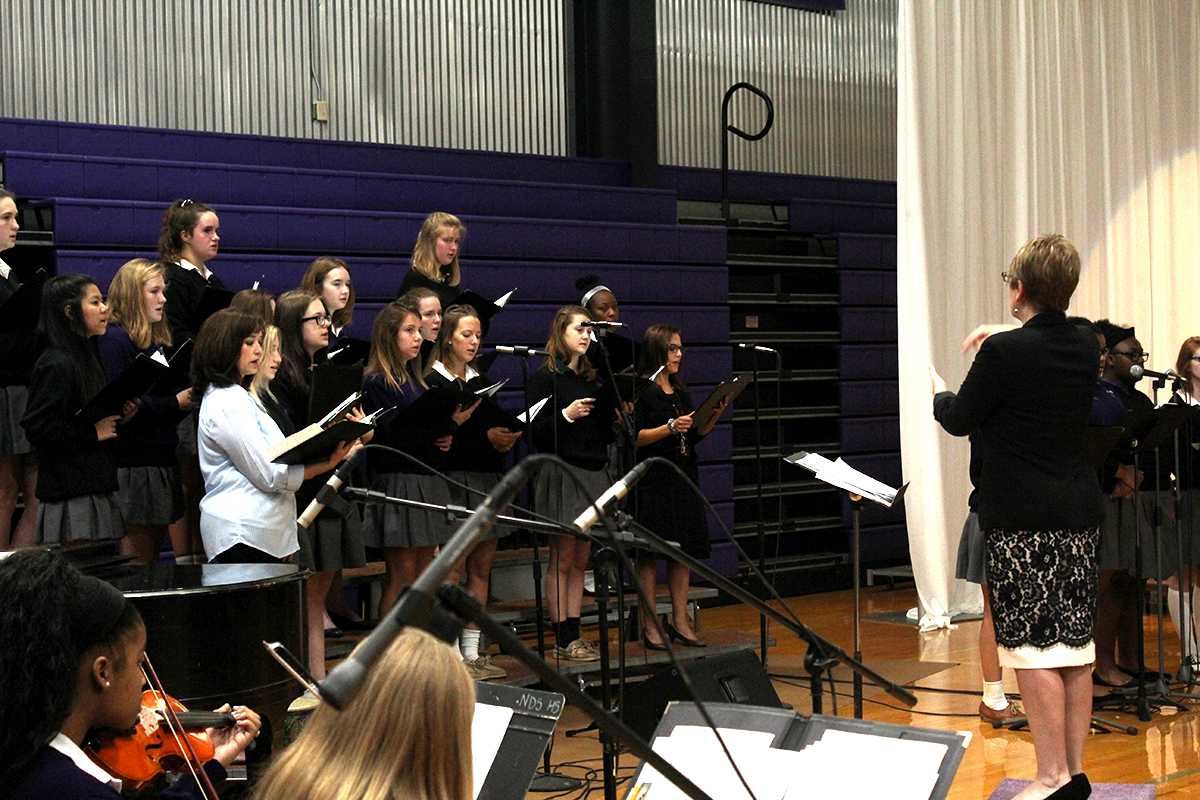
(77, 473)
(582, 443)
(149, 492)
(472, 461)
(18, 352)
(397, 526)
(417, 280)
(186, 283)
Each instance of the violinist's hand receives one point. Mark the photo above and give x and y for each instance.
(444, 443)
(229, 743)
(976, 337)
(502, 439)
(464, 414)
(106, 429)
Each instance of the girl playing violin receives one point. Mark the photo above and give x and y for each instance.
(71, 665)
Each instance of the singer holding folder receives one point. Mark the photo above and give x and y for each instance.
(579, 430)
(77, 474)
(248, 513)
(149, 492)
(1026, 402)
(661, 502)
(408, 537)
(476, 459)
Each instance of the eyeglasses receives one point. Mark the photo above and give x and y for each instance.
(674, 348)
(1193, 358)
(1132, 355)
(322, 320)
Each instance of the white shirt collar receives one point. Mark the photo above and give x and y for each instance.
(205, 272)
(5, 269)
(440, 369)
(68, 748)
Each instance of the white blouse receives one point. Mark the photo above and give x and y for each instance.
(248, 498)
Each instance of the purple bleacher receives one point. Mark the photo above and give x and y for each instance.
(859, 251)
(869, 434)
(110, 223)
(868, 397)
(866, 287)
(55, 175)
(129, 142)
(868, 324)
(694, 183)
(808, 215)
(868, 362)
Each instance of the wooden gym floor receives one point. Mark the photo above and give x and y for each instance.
(1166, 751)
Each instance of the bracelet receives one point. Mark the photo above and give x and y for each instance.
(671, 425)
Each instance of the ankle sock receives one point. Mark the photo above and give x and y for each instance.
(469, 643)
(993, 695)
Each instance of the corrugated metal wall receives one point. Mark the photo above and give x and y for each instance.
(478, 74)
(832, 77)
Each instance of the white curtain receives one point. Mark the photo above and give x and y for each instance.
(1018, 118)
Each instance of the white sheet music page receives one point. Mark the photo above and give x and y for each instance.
(503, 299)
(695, 752)
(488, 727)
(863, 484)
(905, 769)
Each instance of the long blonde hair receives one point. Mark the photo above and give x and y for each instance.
(424, 257)
(261, 385)
(127, 306)
(407, 734)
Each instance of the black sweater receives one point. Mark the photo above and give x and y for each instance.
(150, 437)
(584, 442)
(415, 280)
(397, 431)
(654, 408)
(184, 290)
(72, 462)
(471, 450)
(18, 347)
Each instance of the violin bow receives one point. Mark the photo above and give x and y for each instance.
(207, 790)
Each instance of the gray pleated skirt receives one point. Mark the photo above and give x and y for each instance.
(13, 400)
(972, 552)
(187, 435)
(149, 496)
(557, 496)
(333, 542)
(397, 526)
(1119, 532)
(481, 482)
(92, 516)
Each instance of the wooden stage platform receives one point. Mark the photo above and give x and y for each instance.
(1166, 751)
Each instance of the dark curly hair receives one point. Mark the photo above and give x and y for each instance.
(179, 218)
(49, 623)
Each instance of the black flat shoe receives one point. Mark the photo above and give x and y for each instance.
(676, 636)
(1078, 788)
(1085, 785)
(1098, 681)
(334, 633)
(649, 645)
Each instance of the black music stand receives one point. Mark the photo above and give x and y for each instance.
(795, 732)
(535, 714)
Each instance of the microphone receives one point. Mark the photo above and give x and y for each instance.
(599, 323)
(327, 492)
(1137, 371)
(591, 516)
(520, 350)
(758, 347)
(415, 606)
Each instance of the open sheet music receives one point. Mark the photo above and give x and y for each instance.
(840, 474)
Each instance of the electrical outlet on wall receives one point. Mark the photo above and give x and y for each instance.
(320, 110)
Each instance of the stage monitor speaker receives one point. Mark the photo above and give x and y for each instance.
(729, 678)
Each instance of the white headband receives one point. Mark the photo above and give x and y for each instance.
(592, 292)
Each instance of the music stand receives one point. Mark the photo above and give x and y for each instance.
(535, 714)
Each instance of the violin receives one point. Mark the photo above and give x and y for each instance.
(140, 756)
(166, 738)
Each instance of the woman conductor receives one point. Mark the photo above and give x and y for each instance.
(1025, 402)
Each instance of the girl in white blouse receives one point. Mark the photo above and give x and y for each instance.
(248, 514)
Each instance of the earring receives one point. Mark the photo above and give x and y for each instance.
(1016, 310)
(107, 684)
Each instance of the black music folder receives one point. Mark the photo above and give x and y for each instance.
(331, 384)
(315, 443)
(132, 383)
(726, 390)
(20, 310)
(486, 309)
(433, 408)
(348, 350)
(212, 300)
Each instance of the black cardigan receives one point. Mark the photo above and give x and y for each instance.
(72, 462)
(584, 442)
(1025, 402)
(18, 347)
(471, 450)
(184, 289)
(52, 774)
(445, 292)
(150, 437)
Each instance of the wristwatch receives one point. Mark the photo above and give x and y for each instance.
(671, 424)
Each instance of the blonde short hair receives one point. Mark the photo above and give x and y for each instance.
(424, 259)
(406, 735)
(1048, 267)
(127, 306)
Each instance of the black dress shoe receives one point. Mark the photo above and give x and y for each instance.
(1078, 788)
(334, 633)
(1098, 681)
(676, 636)
(649, 645)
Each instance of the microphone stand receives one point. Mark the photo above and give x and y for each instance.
(762, 533)
(419, 607)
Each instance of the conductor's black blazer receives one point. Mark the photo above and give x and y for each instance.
(1025, 403)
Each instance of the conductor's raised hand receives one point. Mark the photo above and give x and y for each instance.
(937, 383)
(976, 338)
